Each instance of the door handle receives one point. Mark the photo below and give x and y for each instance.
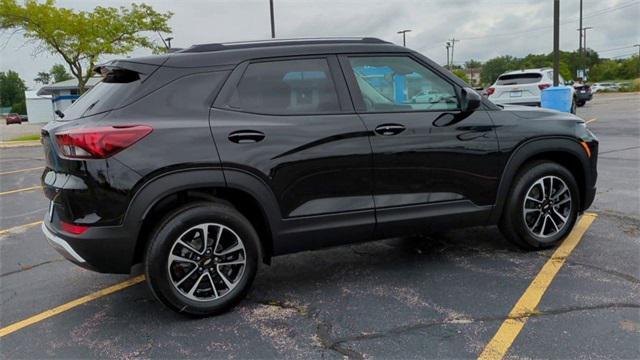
(390, 129)
(246, 136)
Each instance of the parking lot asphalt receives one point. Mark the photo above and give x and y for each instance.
(438, 296)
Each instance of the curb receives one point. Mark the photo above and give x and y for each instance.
(18, 144)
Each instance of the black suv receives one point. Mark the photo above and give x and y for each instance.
(203, 163)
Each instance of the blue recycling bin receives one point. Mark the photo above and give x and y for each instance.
(557, 98)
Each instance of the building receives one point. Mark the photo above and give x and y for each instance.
(473, 74)
(39, 108)
(64, 93)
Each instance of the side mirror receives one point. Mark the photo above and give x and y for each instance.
(470, 100)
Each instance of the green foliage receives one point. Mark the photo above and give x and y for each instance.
(472, 64)
(12, 90)
(29, 137)
(43, 78)
(59, 73)
(20, 107)
(81, 37)
(622, 69)
(461, 74)
(496, 66)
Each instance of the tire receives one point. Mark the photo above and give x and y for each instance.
(581, 103)
(517, 227)
(573, 107)
(184, 283)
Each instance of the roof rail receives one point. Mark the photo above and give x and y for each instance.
(281, 42)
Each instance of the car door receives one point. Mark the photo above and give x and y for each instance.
(431, 160)
(290, 123)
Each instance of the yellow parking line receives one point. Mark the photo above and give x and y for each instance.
(21, 170)
(592, 120)
(20, 190)
(19, 227)
(70, 305)
(526, 306)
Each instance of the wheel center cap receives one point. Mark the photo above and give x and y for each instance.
(207, 262)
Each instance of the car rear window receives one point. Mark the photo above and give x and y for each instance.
(519, 79)
(106, 95)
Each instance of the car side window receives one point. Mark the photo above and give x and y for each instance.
(287, 87)
(399, 83)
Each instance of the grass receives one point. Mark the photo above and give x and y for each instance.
(29, 137)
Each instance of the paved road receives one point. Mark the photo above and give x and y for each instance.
(433, 297)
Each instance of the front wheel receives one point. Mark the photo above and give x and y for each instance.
(574, 107)
(542, 206)
(202, 259)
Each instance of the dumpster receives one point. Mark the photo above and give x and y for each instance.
(557, 98)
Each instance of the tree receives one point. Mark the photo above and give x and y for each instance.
(59, 73)
(43, 78)
(472, 64)
(12, 89)
(461, 74)
(81, 37)
(496, 66)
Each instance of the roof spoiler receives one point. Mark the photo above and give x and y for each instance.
(124, 71)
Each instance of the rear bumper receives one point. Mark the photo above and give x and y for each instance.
(584, 97)
(527, 101)
(101, 249)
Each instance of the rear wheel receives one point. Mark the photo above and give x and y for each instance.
(574, 106)
(202, 259)
(581, 103)
(542, 206)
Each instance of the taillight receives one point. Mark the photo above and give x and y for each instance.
(73, 228)
(490, 91)
(543, 86)
(99, 142)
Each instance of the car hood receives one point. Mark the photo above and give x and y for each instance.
(536, 113)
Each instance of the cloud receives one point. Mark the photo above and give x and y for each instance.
(487, 28)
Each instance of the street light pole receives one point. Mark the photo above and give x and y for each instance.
(580, 54)
(273, 25)
(404, 36)
(556, 42)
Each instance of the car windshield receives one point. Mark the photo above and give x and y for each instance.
(519, 79)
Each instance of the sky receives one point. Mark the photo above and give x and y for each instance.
(485, 28)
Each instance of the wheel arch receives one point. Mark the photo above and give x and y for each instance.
(565, 151)
(252, 197)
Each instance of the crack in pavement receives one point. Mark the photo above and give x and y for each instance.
(618, 150)
(399, 330)
(30, 267)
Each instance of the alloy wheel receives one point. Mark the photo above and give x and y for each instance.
(547, 206)
(206, 262)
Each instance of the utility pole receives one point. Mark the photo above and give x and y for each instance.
(273, 25)
(448, 46)
(404, 36)
(556, 42)
(453, 45)
(638, 46)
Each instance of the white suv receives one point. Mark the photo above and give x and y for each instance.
(522, 87)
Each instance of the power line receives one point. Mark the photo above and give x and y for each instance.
(614, 49)
(566, 22)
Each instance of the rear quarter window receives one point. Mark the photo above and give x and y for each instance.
(519, 79)
(287, 87)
